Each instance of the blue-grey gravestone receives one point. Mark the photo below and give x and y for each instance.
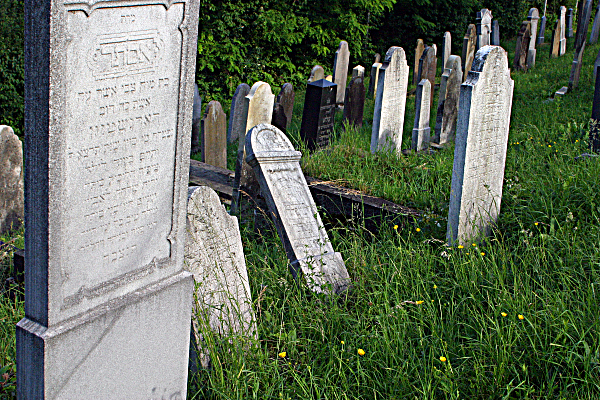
(570, 23)
(421, 131)
(540, 38)
(495, 39)
(237, 114)
(580, 39)
(595, 27)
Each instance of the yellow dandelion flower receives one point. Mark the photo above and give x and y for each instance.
(395, 227)
(467, 253)
(342, 342)
(521, 317)
(419, 302)
(576, 140)
(474, 244)
(283, 354)
(435, 286)
(443, 359)
(549, 145)
(503, 314)
(482, 253)
(361, 352)
(460, 246)
(418, 229)
(536, 223)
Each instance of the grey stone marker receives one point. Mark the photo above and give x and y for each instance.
(533, 18)
(561, 92)
(480, 149)
(377, 57)
(258, 106)
(340, 70)
(484, 27)
(215, 256)
(595, 27)
(439, 116)
(390, 102)
(522, 47)
(449, 107)
(542, 31)
(447, 48)
(284, 107)
(237, 114)
(11, 180)
(563, 39)
(294, 212)
(355, 102)
(316, 74)
(421, 130)
(582, 28)
(108, 88)
(428, 67)
(569, 23)
(358, 71)
(495, 38)
(374, 77)
(468, 54)
(418, 53)
(555, 43)
(213, 135)
(196, 117)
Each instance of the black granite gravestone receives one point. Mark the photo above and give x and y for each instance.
(542, 28)
(355, 102)
(318, 115)
(595, 121)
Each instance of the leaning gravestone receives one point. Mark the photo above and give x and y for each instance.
(428, 67)
(11, 180)
(542, 31)
(447, 49)
(213, 135)
(215, 256)
(522, 47)
(451, 98)
(355, 102)
(594, 136)
(533, 18)
(480, 150)
(390, 102)
(421, 130)
(595, 27)
(340, 70)
(294, 212)
(108, 88)
(555, 42)
(358, 71)
(563, 39)
(374, 77)
(284, 107)
(495, 37)
(237, 114)
(316, 74)
(318, 115)
(258, 109)
(418, 53)
(468, 53)
(196, 117)
(569, 23)
(484, 28)
(580, 39)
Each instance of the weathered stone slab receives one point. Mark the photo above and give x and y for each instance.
(11, 180)
(317, 73)
(446, 49)
(373, 78)
(542, 31)
(449, 110)
(468, 54)
(563, 29)
(428, 67)
(418, 53)
(196, 117)
(238, 114)
(358, 71)
(284, 107)
(595, 27)
(594, 136)
(108, 89)
(213, 136)
(340, 70)
(295, 214)
(569, 23)
(390, 102)
(562, 91)
(215, 256)
(258, 107)
(582, 28)
(495, 37)
(555, 43)
(480, 149)
(522, 47)
(439, 116)
(318, 115)
(484, 27)
(533, 17)
(355, 102)
(421, 130)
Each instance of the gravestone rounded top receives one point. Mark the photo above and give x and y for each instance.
(395, 55)
(454, 63)
(489, 57)
(214, 110)
(533, 14)
(266, 141)
(316, 73)
(377, 57)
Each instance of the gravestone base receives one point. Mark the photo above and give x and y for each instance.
(330, 264)
(92, 356)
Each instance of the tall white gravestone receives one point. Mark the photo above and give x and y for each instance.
(447, 49)
(108, 89)
(421, 130)
(484, 27)
(563, 31)
(340, 70)
(295, 214)
(390, 102)
(480, 147)
(533, 17)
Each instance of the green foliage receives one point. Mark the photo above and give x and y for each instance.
(11, 64)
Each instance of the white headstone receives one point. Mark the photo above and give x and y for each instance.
(373, 78)
(484, 27)
(563, 31)
(237, 114)
(108, 90)
(358, 71)
(11, 180)
(295, 214)
(390, 102)
(340, 70)
(421, 130)
(480, 148)
(533, 17)
(316, 74)
(447, 49)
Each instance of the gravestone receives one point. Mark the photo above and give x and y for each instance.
(561, 92)
(555, 44)
(595, 27)
(533, 18)
(329, 78)
(540, 37)
(390, 102)
(484, 27)
(340, 70)
(480, 147)
(284, 107)
(213, 136)
(258, 108)
(373, 79)
(316, 74)
(359, 70)
(580, 39)
(447, 49)
(495, 38)
(418, 53)
(355, 102)
(434, 46)
(294, 212)
(594, 136)
(215, 256)
(196, 117)
(318, 116)
(468, 53)
(449, 112)
(108, 89)
(238, 114)
(11, 180)
(569, 23)
(421, 130)
(522, 47)
(596, 65)
(439, 116)
(563, 39)
(428, 68)
(377, 58)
